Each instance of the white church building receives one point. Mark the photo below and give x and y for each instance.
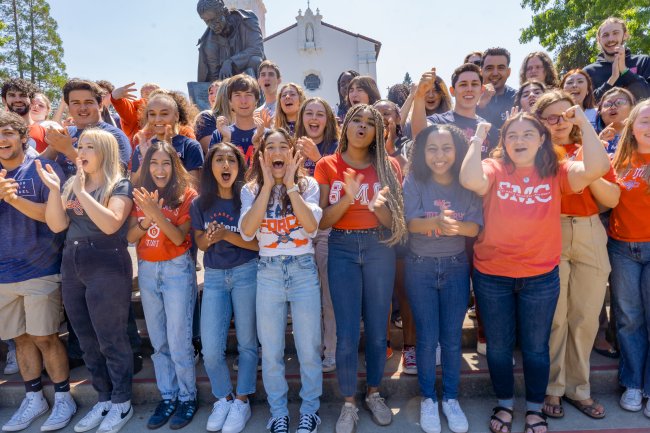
(313, 53)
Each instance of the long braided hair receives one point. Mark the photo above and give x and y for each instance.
(384, 169)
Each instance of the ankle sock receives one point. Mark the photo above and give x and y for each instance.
(62, 386)
(34, 385)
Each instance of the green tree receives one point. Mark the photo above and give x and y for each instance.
(407, 80)
(33, 49)
(568, 27)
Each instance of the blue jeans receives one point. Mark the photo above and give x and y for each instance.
(361, 272)
(523, 305)
(294, 280)
(438, 293)
(630, 280)
(168, 294)
(228, 291)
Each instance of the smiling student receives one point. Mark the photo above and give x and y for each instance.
(498, 99)
(291, 98)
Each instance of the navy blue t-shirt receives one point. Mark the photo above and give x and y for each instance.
(497, 110)
(69, 167)
(242, 138)
(28, 248)
(468, 126)
(205, 124)
(223, 254)
(188, 150)
(324, 149)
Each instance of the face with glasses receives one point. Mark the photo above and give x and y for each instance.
(535, 70)
(559, 127)
(529, 95)
(615, 108)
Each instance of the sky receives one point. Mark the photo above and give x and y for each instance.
(155, 40)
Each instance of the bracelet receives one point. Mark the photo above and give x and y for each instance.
(625, 71)
(294, 188)
(144, 229)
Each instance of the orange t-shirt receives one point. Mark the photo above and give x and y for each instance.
(629, 221)
(154, 246)
(522, 235)
(584, 203)
(129, 112)
(329, 171)
(37, 133)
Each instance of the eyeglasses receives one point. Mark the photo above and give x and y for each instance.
(553, 119)
(477, 62)
(618, 102)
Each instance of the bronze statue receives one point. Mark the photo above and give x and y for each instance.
(231, 44)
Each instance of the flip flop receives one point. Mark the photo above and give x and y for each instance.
(557, 411)
(608, 353)
(537, 424)
(589, 410)
(507, 425)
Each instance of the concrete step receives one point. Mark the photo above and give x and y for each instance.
(475, 381)
(406, 413)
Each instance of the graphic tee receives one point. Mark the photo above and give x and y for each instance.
(629, 220)
(187, 149)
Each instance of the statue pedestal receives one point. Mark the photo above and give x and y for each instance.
(198, 92)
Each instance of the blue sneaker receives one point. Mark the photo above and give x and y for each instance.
(161, 415)
(184, 414)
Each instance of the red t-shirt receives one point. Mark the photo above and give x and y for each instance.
(154, 246)
(629, 221)
(584, 203)
(37, 133)
(329, 171)
(522, 235)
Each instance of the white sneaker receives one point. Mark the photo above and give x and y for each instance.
(220, 411)
(237, 418)
(347, 422)
(429, 416)
(11, 367)
(646, 411)
(33, 406)
(94, 417)
(329, 364)
(632, 400)
(63, 410)
(119, 414)
(456, 419)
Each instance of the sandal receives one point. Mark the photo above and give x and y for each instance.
(531, 427)
(505, 424)
(555, 410)
(591, 410)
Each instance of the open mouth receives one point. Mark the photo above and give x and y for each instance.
(225, 176)
(313, 127)
(278, 163)
(5, 147)
(520, 149)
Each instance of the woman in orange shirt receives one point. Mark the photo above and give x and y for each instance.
(629, 253)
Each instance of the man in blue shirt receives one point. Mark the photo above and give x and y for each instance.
(30, 280)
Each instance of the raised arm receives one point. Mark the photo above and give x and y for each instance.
(419, 115)
(472, 176)
(595, 161)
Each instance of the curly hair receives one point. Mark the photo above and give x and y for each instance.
(385, 170)
(186, 111)
(550, 74)
(24, 86)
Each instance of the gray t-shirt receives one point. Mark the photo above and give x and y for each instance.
(81, 226)
(425, 200)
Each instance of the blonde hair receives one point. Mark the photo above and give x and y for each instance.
(221, 105)
(108, 150)
(281, 118)
(627, 150)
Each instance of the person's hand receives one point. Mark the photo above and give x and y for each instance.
(59, 139)
(68, 121)
(48, 176)
(292, 167)
(608, 133)
(482, 130)
(267, 170)
(308, 148)
(259, 130)
(618, 65)
(226, 69)
(487, 95)
(223, 128)
(215, 232)
(79, 182)
(150, 204)
(513, 112)
(621, 58)
(379, 199)
(8, 187)
(127, 91)
(351, 183)
(447, 225)
(576, 116)
(427, 81)
(413, 88)
(144, 143)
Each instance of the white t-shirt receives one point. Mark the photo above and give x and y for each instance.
(282, 235)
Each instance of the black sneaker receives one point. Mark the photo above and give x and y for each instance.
(161, 415)
(308, 423)
(184, 414)
(278, 425)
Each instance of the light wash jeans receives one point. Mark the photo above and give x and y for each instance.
(168, 294)
(282, 280)
(228, 291)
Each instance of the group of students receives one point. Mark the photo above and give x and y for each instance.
(298, 209)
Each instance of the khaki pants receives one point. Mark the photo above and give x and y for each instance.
(584, 269)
